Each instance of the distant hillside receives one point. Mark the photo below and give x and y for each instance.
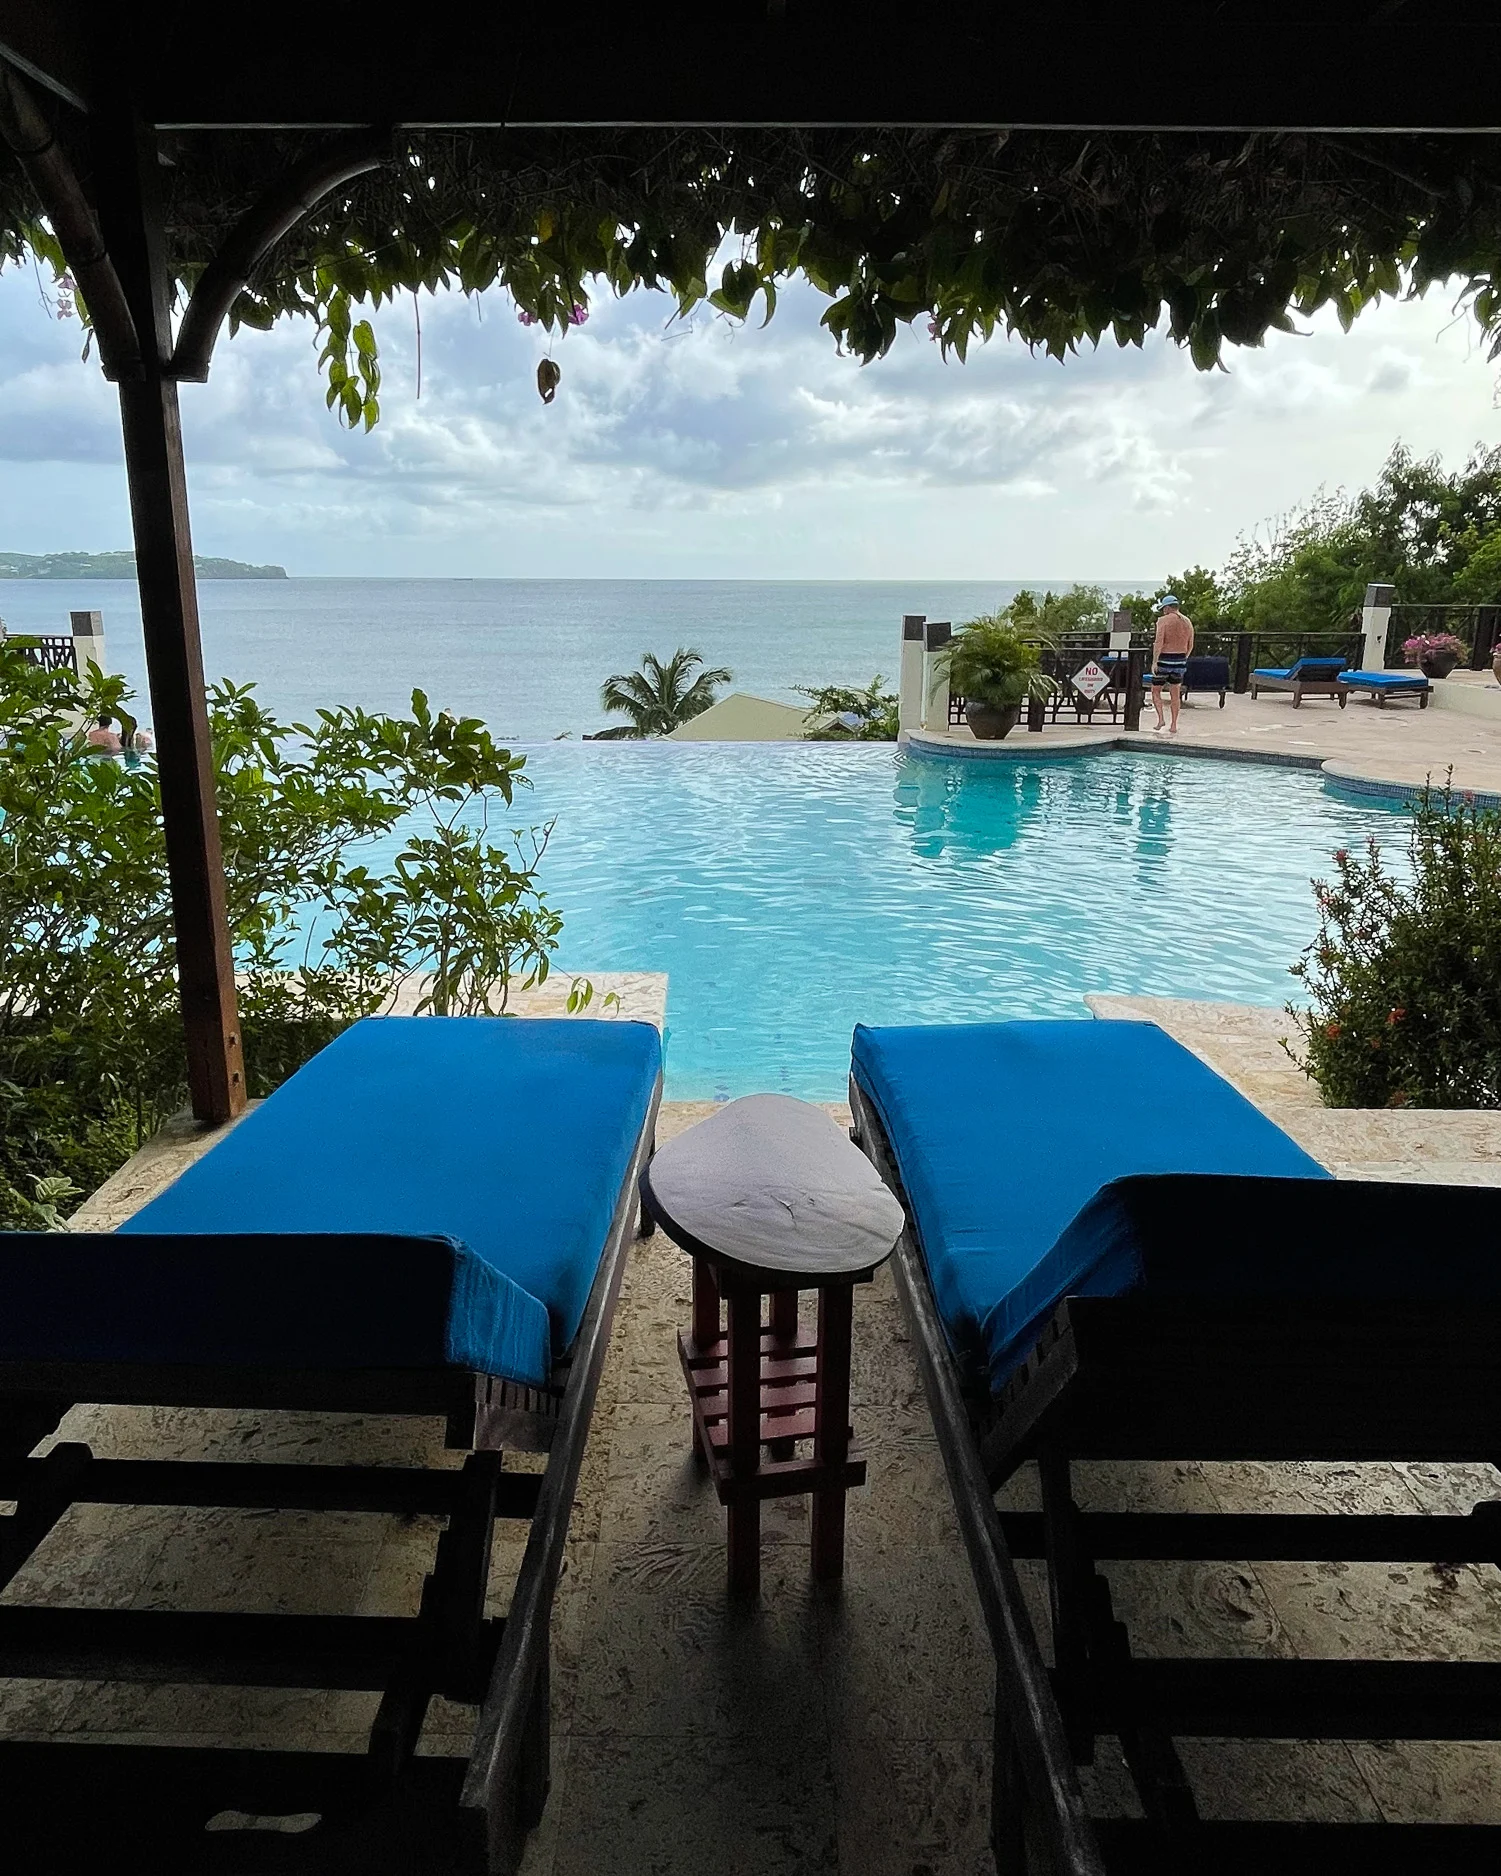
(120, 567)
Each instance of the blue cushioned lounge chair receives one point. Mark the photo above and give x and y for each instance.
(1309, 677)
(1112, 1255)
(1379, 685)
(430, 1217)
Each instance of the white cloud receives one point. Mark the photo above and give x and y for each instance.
(701, 448)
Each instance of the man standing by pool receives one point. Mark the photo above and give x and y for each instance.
(1170, 649)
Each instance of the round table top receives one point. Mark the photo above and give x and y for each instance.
(775, 1184)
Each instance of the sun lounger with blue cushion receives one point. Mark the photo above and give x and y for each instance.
(1113, 1256)
(431, 1218)
(1379, 685)
(1309, 677)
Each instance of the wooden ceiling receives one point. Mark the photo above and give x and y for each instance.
(765, 62)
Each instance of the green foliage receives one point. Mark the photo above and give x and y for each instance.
(874, 710)
(1404, 977)
(1434, 534)
(91, 1055)
(1064, 238)
(1198, 595)
(990, 661)
(1080, 609)
(659, 695)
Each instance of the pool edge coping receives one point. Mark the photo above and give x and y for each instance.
(1333, 769)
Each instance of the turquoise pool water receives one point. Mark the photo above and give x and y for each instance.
(792, 891)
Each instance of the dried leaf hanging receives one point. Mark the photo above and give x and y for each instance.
(549, 371)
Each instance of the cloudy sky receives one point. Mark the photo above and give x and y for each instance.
(703, 449)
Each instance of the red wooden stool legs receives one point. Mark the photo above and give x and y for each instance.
(831, 1433)
(760, 1389)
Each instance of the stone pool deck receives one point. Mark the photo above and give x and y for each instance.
(1399, 744)
(817, 1731)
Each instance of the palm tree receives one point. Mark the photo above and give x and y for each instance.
(659, 696)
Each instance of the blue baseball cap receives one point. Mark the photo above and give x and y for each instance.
(1168, 599)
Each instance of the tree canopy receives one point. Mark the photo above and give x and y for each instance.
(1063, 238)
(1433, 533)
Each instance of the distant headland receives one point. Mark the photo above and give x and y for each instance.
(121, 566)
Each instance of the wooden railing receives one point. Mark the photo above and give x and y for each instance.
(51, 653)
(1243, 652)
(1478, 626)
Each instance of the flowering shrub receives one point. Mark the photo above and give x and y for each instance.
(1414, 649)
(1404, 977)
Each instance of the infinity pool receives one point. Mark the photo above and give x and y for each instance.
(791, 891)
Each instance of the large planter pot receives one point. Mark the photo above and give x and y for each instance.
(990, 722)
(1438, 663)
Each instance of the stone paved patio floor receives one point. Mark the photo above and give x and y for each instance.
(817, 1731)
(1400, 743)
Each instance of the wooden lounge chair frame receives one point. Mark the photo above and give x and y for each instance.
(1204, 1378)
(1378, 693)
(70, 1805)
(1300, 687)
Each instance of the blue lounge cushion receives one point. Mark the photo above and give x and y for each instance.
(1384, 680)
(359, 1300)
(511, 1138)
(1003, 1132)
(1309, 670)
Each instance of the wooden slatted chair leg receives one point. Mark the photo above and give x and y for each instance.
(1070, 1571)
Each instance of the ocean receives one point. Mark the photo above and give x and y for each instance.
(526, 656)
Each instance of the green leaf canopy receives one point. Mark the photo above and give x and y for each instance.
(1063, 238)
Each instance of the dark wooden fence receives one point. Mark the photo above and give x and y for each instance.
(1478, 627)
(1244, 652)
(51, 653)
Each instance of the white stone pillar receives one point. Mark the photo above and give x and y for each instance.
(88, 642)
(937, 634)
(909, 676)
(1375, 617)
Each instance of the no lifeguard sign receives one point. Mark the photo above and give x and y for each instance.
(1091, 680)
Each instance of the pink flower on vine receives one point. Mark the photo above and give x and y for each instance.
(526, 318)
(933, 332)
(578, 315)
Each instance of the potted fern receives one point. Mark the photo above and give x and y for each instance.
(995, 670)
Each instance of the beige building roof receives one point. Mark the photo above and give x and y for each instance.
(740, 718)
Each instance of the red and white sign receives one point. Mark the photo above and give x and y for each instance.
(1091, 680)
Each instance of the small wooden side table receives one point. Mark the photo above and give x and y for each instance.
(770, 1199)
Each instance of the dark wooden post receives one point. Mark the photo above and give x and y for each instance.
(831, 1438)
(130, 217)
(1136, 660)
(1241, 679)
(744, 1433)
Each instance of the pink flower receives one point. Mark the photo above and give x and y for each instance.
(1331, 1030)
(578, 315)
(932, 328)
(526, 318)
(1395, 1016)
(1341, 854)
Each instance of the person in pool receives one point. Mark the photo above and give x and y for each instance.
(1170, 649)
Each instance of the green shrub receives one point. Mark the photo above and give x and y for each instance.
(874, 713)
(91, 1048)
(991, 662)
(1404, 977)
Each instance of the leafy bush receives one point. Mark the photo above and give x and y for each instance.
(1404, 978)
(989, 661)
(872, 713)
(91, 1048)
(1080, 609)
